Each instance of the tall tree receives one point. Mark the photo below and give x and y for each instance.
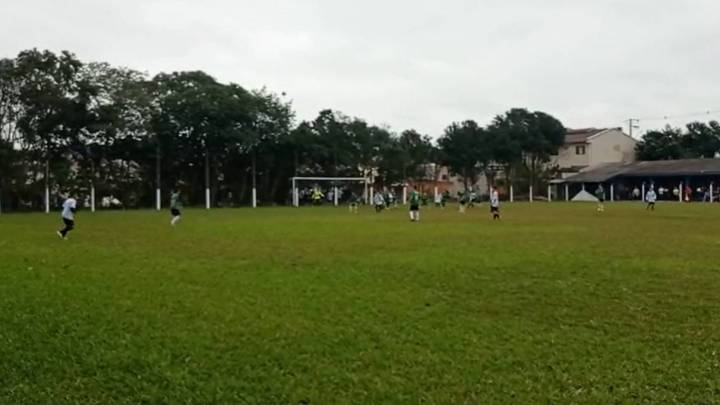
(463, 145)
(504, 141)
(54, 104)
(272, 124)
(110, 147)
(661, 145)
(701, 140)
(536, 135)
(198, 118)
(336, 143)
(416, 151)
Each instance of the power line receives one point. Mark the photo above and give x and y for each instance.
(634, 123)
(672, 117)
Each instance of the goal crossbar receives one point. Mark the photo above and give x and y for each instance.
(332, 178)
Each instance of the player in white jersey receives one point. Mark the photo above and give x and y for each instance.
(495, 203)
(68, 216)
(650, 198)
(379, 202)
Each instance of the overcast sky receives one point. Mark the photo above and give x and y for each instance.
(410, 63)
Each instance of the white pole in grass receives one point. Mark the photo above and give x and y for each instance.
(711, 192)
(531, 193)
(207, 198)
(254, 197)
(92, 198)
(47, 200)
(404, 194)
(365, 193)
(643, 192)
(512, 193)
(436, 194)
(335, 195)
(372, 195)
(567, 192)
(549, 194)
(680, 194)
(612, 192)
(158, 203)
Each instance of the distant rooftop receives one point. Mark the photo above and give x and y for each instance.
(648, 169)
(581, 135)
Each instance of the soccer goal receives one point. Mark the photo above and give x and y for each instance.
(332, 189)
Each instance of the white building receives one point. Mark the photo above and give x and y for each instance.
(591, 147)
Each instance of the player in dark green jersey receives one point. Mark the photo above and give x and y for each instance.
(414, 206)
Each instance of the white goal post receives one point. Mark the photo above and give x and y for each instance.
(365, 180)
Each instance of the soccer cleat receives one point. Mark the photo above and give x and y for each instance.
(60, 235)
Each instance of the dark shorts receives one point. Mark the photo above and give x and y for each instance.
(601, 200)
(175, 212)
(494, 209)
(69, 223)
(414, 207)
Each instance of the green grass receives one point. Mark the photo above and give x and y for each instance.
(554, 304)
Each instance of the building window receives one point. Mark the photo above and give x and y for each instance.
(444, 177)
(580, 150)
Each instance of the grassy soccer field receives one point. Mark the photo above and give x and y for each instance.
(556, 303)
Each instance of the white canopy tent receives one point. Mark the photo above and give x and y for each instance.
(584, 196)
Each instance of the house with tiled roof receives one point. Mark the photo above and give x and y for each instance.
(591, 147)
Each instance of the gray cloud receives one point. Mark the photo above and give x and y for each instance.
(410, 64)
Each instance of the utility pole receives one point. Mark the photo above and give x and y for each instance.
(632, 124)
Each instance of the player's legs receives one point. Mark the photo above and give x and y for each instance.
(69, 225)
(175, 216)
(414, 213)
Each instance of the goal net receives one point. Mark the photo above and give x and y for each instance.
(330, 190)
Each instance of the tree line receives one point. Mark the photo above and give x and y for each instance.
(68, 125)
(696, 140)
